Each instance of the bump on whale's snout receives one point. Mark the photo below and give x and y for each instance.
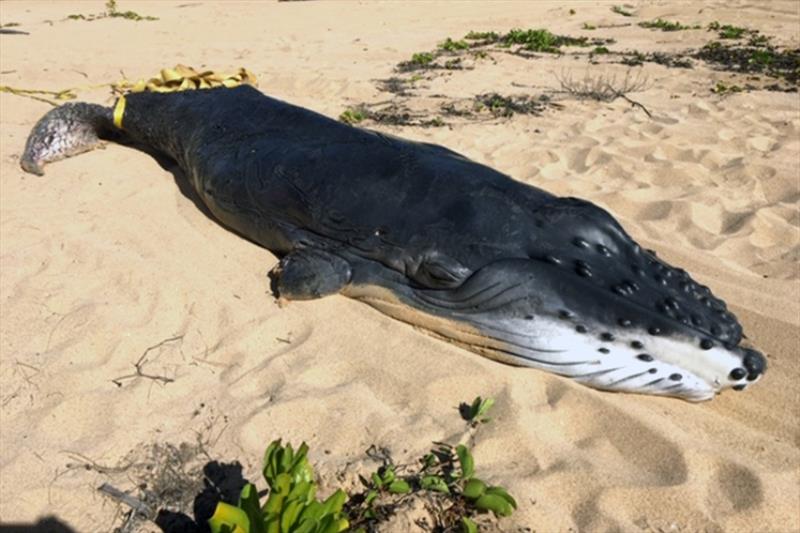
(755, 363)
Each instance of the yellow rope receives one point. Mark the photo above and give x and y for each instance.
(180, 78)
(183, 78)
(119, 110)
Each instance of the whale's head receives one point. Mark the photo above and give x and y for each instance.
(627, 336)
(585, 301)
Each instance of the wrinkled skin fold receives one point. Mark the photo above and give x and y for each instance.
(431, 238)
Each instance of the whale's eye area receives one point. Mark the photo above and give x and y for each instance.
(438, 271)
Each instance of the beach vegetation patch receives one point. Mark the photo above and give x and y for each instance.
(619, 10)
(444, 479)
(454, 46)
(763, 58)
(419, 60)
(353, 115)
(541, 40)
(723, 88)
(112, 12)
(666, 25)
(727, 31)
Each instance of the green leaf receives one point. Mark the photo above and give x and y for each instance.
(495, 503)
(334, 503)
(477, 411)
(271, 457)
(474, 489)
(500, 491)
(435, 484)
(376, 480)
(289, 514)
(466, 460)
(286, 459)
(312, 512)
(334, 525)
(303, 491)
(399, 486)
(232, 518)
(468, 526)
(388, 474)
(248, 502)
(371, 495)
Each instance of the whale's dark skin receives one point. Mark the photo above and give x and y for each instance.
(430, 237)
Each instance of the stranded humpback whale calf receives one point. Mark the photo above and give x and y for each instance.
(431, 238)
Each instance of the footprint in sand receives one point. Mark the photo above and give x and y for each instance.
(734, 489)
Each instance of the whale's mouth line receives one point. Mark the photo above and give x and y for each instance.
(433, 298)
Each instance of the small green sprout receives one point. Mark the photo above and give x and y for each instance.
(475, 413)
(600, 50)
(587, 26)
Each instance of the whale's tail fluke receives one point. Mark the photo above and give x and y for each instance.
(65, 131)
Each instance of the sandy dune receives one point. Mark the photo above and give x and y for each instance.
(105, 257)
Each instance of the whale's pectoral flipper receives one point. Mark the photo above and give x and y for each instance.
(307, 274)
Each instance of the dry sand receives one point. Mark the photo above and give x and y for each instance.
(105, 257)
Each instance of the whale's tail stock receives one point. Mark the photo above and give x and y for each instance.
(67, 130)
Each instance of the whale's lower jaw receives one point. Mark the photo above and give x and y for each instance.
(621, 360)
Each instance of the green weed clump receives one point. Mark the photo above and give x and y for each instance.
(665, 25)
(727, 31)
(722, 88)
(453, 46)
(420, 60)
(541, 40)
(482, 36)
(753, 59)
(112, 12)
(353, 116)
(619, 10)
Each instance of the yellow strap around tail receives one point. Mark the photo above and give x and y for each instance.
(119, 110)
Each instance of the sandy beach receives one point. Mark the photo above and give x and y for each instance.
(105, 264)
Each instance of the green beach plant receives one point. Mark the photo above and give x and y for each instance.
(353, 115)
(665, 25)
(445, 475)
(291, 506)
(453, 46)
(619, 10)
